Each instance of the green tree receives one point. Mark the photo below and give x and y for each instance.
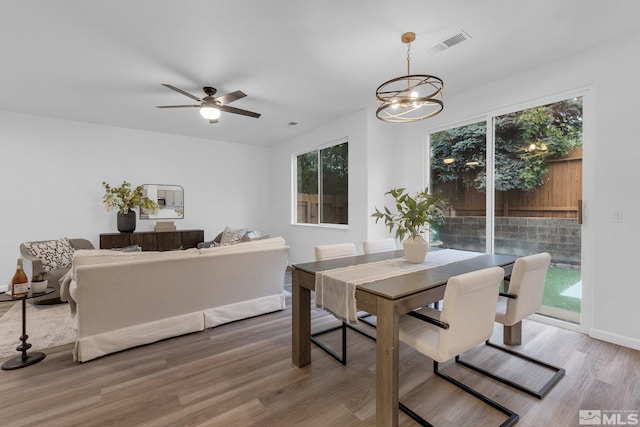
(335, 170)
(524, 141)
(308, 173)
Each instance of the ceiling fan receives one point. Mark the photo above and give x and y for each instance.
(210, 107)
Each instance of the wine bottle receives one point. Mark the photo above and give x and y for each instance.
(19, 283)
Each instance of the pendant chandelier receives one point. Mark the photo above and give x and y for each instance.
(409, 98)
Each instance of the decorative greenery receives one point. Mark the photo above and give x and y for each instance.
(39, 277)
(414, 214)
(524, 142)
(124, 198)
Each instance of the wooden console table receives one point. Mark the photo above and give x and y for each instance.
(153, 240)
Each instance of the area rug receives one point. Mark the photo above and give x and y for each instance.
(47, 326)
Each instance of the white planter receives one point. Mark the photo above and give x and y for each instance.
(37, 287)
(415, 249)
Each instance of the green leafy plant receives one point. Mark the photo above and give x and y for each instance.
(125, 198)
(39, 277)
(413, 215)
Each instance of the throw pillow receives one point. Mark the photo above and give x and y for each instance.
(251, 235)
(231, 237)
(218, 237)
(55, 254)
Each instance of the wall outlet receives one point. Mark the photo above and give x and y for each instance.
(616, 216)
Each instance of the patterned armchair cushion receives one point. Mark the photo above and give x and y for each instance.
(55, 254)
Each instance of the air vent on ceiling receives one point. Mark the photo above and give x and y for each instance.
(449, 42)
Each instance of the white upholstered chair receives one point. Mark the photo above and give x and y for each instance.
(322, 253)
(466, 320)
(379, 245)
(524, 297)
(336, 250)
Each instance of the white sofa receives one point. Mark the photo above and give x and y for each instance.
(121, 300)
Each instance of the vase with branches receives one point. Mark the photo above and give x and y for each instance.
(125, 199)
(413, 216)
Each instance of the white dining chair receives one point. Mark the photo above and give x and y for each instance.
(336, 250)
(524, 297)
(379, 245)
(466, 320)
(326, 252)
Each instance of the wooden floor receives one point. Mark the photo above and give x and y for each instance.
(241, 374)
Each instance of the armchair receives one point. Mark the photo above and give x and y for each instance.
(51, 263)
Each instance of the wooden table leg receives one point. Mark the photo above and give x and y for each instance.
(512, 335)
(301, 321)
(387, 344)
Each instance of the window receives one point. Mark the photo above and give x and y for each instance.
(514, 182)
(322, 187)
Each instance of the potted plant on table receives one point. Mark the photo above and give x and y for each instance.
(413, 217)
(125, 199)
(38, 282)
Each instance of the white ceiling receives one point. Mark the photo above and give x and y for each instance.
(301, 61)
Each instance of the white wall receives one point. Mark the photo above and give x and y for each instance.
(368, 160)
(51, 172)
(611, 174)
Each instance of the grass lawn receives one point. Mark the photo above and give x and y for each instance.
(558, 280)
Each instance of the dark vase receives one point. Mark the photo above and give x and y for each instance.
(127, 222)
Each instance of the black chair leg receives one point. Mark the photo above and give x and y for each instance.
(512, 416)
(415, 417)
(343, 327)
(558, 372)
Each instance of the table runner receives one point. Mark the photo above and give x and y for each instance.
(336, 289)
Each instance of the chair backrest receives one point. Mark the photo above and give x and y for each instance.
(527, 283)
(379, 245)
(337, 250)
(469, 307)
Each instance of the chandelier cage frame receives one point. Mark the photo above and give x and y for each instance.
(409, 98)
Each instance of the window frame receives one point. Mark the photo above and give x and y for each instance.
(294, 185)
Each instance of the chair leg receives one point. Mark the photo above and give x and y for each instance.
(513, 417)
(558, 372)
(415, 417)
(343, 327)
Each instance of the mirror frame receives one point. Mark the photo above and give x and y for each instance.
(175, 210)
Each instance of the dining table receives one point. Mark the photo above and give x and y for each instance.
(387, 299)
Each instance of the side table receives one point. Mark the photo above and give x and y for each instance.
(24, 359)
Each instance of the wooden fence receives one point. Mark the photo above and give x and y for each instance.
(335, 209)
(557, 197)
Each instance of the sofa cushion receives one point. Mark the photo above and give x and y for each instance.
(55, 254)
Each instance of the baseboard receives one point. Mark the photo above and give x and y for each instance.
(557, 322)
(615, 338)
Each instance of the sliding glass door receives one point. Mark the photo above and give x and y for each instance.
(534, 165)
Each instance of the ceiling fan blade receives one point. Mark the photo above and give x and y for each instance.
(230, 97)
(238, 111)
(182, 92)
(213, 121)
(176, 106)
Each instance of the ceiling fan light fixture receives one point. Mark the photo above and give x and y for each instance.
(409, 98)
(209, 112)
